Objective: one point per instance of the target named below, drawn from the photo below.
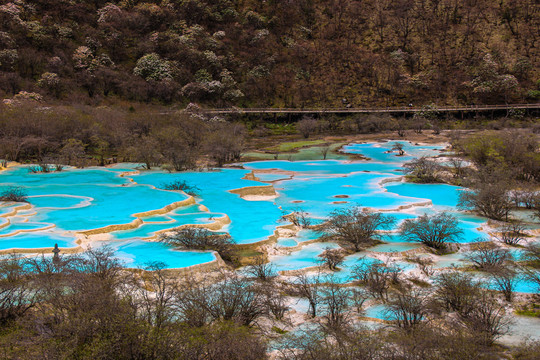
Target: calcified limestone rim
(287, 175)
(271, 240)
(404, 253)
(5, 224)
(215, 264)
(9, 164)
(16, 209)
(301, 271)
(19, 231)
(367, 318)
(379, 142)
(261, 190)
(289, 249)
(245, 193)
(217, 224)
(209, 266)
(129, 173)
(43, 250)
(86, 201)
(138, 222)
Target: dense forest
(271, 53)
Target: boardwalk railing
(368, 110)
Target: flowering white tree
(152, 67)
(489, 81)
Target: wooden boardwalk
(405, 109)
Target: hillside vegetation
(271, 53)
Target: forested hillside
(271, 53)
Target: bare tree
(144, 150)
(353, 342)
(425, 264)
(376, 277)
(180, 146)
(17, 294)
(356, 227)
(511, 233)
(400, 129)
(458, 166)
(157, 292)
(489, 200)
(324, 149)
(487, 256)
(398, 147)
(73, 152)
(262, 269)
(504, 278)
(299, 217)
(226, 142)
(309, 289)
(408, 307)
(487, 318)
(359, 297)
(423, 170)
(336, 301)
(432, 230)
(419, 124)
(525, 197)
(235, 298)
(181, 185)
(201, 239)
(190, 302)
(532, 259)
(457, 291)
(275, 298)
(332, 258)
(306, 126)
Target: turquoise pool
(77, 200)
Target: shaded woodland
(271, 53)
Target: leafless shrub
(432, 230)
(261, 269)
(408, 307)
(423, 170)
(457, 291)
(201, 239)
(332, 258)
(356, 226)
(14, 193)
(487, 318)
(377, 277)
(511, 233)
(488, 199)
(425, 264)
(486, 255)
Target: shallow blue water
(379, 311)
(251, 221)
(286, 242)
(393, 247)
(150, 228)
(318, 167)
(522, 284)
(306, 257)
(141, 253)
(382, 152)
(34, 240)
(439, 194)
